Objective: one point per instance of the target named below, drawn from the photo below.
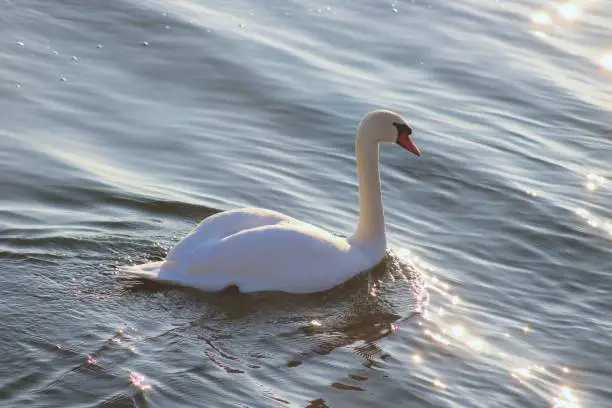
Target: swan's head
(389, 127)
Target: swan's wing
(224, 224)
(286, 257)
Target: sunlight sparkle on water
(439, 384)
(438, 338)
(539, 368)
(570, 11)
(594, 181)
(540, 17)
(452, 331)
(476, 344)
(582, 212)
(314, 323)
(539, 34)
(139, 381)
(606, 62)
(566, 399)
(457, 331)
(521, 374)
(596, 177)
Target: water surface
(126, 123)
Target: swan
(257, 249)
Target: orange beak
(405, 141)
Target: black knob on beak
(402, 128)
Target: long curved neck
(371, 227)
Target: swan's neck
(371, 227)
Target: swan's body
(233, 248)
(259, 250)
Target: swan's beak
(405, 141)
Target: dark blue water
(124, 123)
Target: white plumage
(262, 250)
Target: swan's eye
(402, 129)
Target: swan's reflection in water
(245, 332)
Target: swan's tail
(169, 273)
(149, 270)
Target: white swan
(263, 250)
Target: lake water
(125, 123)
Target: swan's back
(224, 224)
